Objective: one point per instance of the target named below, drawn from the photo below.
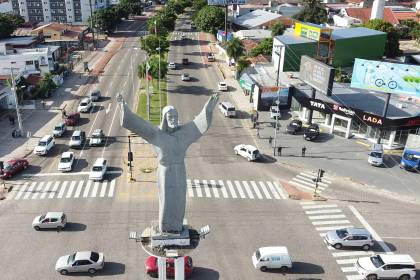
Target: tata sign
(317, 74)
(386, 77)
(225, 2)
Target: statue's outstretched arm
(136, 124)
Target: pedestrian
(270, 140)
(12, 120)
(303, 151)
(43, 103)
(279, 151)
(64, 113)
(258, 132)
(256, 115)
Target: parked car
(77, 139)
(275, 112)
(66, 162)
(13, 167)
(183, 37)
(59, 129)
(222, 86)
(376, 155)
(95, 95)
(185, 61)
(72, 119)
(311, 132)
(57, 220)
(272, 257)
(98, 170)
(227, 109)
(172, 65)
(185, 77)
(85, 105)
(85, 261)
(44, 145)
(294, 127)
(97, 138)
(152, 267)
(247, 151)
(210, 57)
(349, 237)
(384, 266)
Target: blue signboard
(225, 2)
(386, 77)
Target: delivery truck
(410, 159)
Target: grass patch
(155, 109)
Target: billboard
(270, 95)
(311, 31)
(386, 77)
(225, 2)
(317, 74)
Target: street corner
(295, 193)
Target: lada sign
(372, 119)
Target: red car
(152, 266)
(72, 119)
(12, 167)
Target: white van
(272, 257)
(44, 145)
(227, 109)
(376, 155)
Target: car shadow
(79, 165)
(323, 137)
(75, 227)
(243, 115)
(391, 160)
(57, 150)
(202, 273)
(96, 109)
(266, 159)
(379, 249)
(82, 121)
(103, 99)
(110, 268)
(301, 268)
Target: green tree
(151, 43)
(210, 19)
(154, 67)
(131, 7)
(105, 19)
(392, 45)
(242, 64)
(45, 86)
(165, 22)
(234, 48)
(141, 70)
(264, 48)
(313, 11)
(278, 29)
(8, 24)
(199, 4)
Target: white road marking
(309, 180)
(280, 190)
(307, 203)
(46, 189)
(79, 189)
(198, 188)
(309, 184)
(239, 188)
(406, 238)
(214, 187)
(355, 277)
(264, 189)
(314, 176)
(29, 191)
(103, 189)
(329, 228)
(319, 206)
(346, 261)
(231, 189)
(95, 189)
(71, 188)
(375, 236)
(273, 190)
(62, 189)
(38, 190)
(324, 217)
(331, 222)
(348, 269)
(323, 211)
(111, 189)
(87, 188)
(54, 190)
(206, 188)
(189, 188)
(301, 186)
(68, 174)
(351, 254)
(256, 190)
(248, 190)
(108, 108)
(223, 189)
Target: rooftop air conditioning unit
(401, 105)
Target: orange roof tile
(363, 14)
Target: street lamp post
(16, 99)
(160, 98)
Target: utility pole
(160, 98)
(91, 23)
(276, 118)
(16, 99)
(130, 159)
(226, 19)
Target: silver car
(349, 237)
(85, 261)
(56, 220)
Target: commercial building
(260, 19)
(68, 11)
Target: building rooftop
(368, 101)
(256, 34)
(363, 14)
(346, 33)
(293, 39)
(19, 41)
(255, 18)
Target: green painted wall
(294, 52)
(369, 47)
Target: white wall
(46, 10)
(45, 66)
(6, 7)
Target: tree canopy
(210, 19)
(234, 48)
(154, 68)
(8, 24)
(264, 48)
(151, 43)
(198, 4)
(278, 29)
(313, 12)
(392, 45)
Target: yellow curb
(363, 143)
(393, 152)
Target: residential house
(63, 35)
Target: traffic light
(321, 173)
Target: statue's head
(169, 119)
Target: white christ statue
(171, 141)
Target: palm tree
(234, 48)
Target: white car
(85, 105)
(66, 162)
(85, 261)
(59, 129)
(185, 77)
(172, 65)
(222, 86)
(56, 220)
(275, 112)
(247, 151)
(98, 170)
(44, 145)
(97, 138)
(383, 266)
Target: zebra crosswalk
(62, 190)
(235, 189)
(305, 181)
(327, 217)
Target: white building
(5, 7)
(7, 99)
(254, 34)
(65, 11)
